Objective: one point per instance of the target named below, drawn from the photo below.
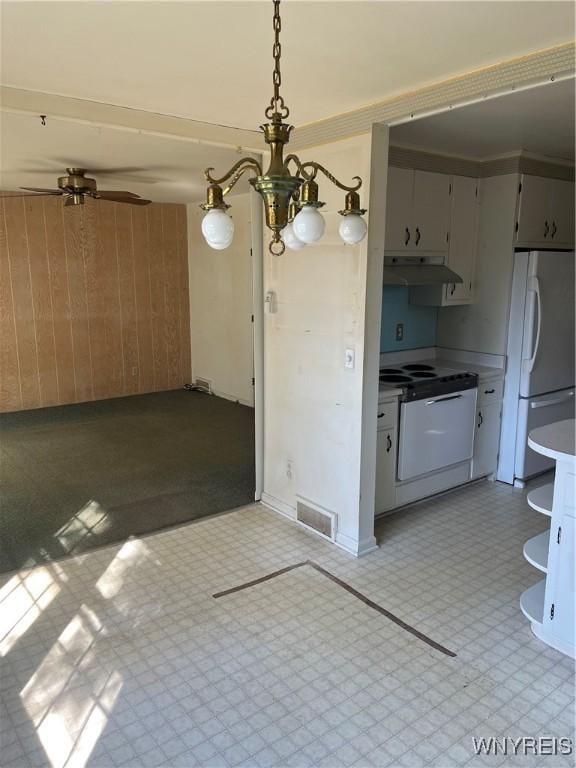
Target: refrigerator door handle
(535, 289)
(554, 401)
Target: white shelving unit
(532, 602)
(536, 551)
(549, 604)
(541, 499)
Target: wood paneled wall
(94, 301)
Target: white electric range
(437, 416)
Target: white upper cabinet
(399, 200)
(545, 212)
(562, 212)
(431, 211)
(417, 211)
(463, 228)
(463, 239)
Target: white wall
(313, 404)
(221, 305)
(483, 326)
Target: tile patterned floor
(122, 657)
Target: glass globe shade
(309, 225)
(290, 239)
(352, 229)
(218, 229)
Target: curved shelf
(536, 551)
(532, 602)
(540, 499)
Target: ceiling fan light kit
(290, 197)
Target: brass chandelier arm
(245, 164)
(317, 167)
(238, 175)
(299, 166)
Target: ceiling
(211, 61)
(159, 168)
(538, 121)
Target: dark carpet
(76, 477)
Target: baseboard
(355, 547)
(347, 543)
(276, 505)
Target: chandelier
(288, 189)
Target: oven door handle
(443, 399)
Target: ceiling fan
(76, 186)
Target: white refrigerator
(539, 383)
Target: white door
(431, 212)
(548, 341)
(486, 440)
(385, 470)
(463, 231)
(534, 210)
(399, 198)
(562, 213)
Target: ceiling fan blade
(132, 200)
(109, 194)
(43, 191)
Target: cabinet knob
(546, 229)
(407, 238)
(388, 443)
(418, 236)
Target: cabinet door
(399, 236)
(562, 213)
(463, 238)
(385, 470)
(486, 440)
(431, 211)
(533, 223)
(561, 561)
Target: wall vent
(204, 384)
(316, 518)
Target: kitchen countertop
(484, 371)
(555, 440)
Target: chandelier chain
(277, 108)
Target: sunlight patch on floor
(133, 552)
(69, 714)
(82, 525)
(22, 601)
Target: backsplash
(419, 322)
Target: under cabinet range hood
(418, 270)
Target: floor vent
(320, 520)
(204, 384)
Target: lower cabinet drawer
(387, 414)
(490, 391)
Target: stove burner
(423, 375)
(395, 379)
(390, 370)
(418, 367)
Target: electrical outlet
(289, 469)
(399, 331)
